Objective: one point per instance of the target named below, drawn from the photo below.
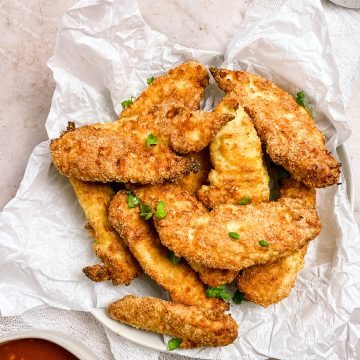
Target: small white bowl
(75, 347)
(351, 4)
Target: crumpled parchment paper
(104, 54)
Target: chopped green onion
(151, 140)
(234, 235)
(238, 297)
(174, 259)
(160, 212)
(132, 200)
(173, 344)
(263, 243)
(300, 99)
(245, 200)
(128, 102)
(145, 211)
(150, 80)
(218, 292)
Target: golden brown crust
(179, 280)
(196, 327)
(213, 277)
(119, 263)
(118, 152)
(96, 272)
(269, 283)
(287, 129)
(239, 170)
(192, 232)
(186, 83)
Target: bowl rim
(72, 345)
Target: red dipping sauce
(33, 349)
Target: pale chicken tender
(239, 170)
(119, 264)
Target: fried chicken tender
(239, 169)
(119, 264)
(119, 151)
(287, 129)
(179, 280)
(196, 327)
(190, 231)
(186, 83)
(270, 283)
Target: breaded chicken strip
(179, 280)
(269, 283)
(135, 150)
(186, 83)
(119, 264)
(190, 231)
(287, 129)
(239, 169)
(196, 327)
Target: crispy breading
(269, 283)
(119, 151)
(287, 129)
(96, 272)
(179, 280)
(213, 277)
(190, 231)
(239, 169)
(196, 327)
(119, 263)
(185, 83)
(193, 182)
(272, 282)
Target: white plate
(156, 341)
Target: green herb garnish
(245, 200)
(150, 80)
(132, 200)
(173, 344)
(160, 212)
(174, 259)
(300, 99)
(238, 297)
(234, 235)
(145, 211)
(218, 292)
(151, 140)
(128, 102)
(263, 243)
